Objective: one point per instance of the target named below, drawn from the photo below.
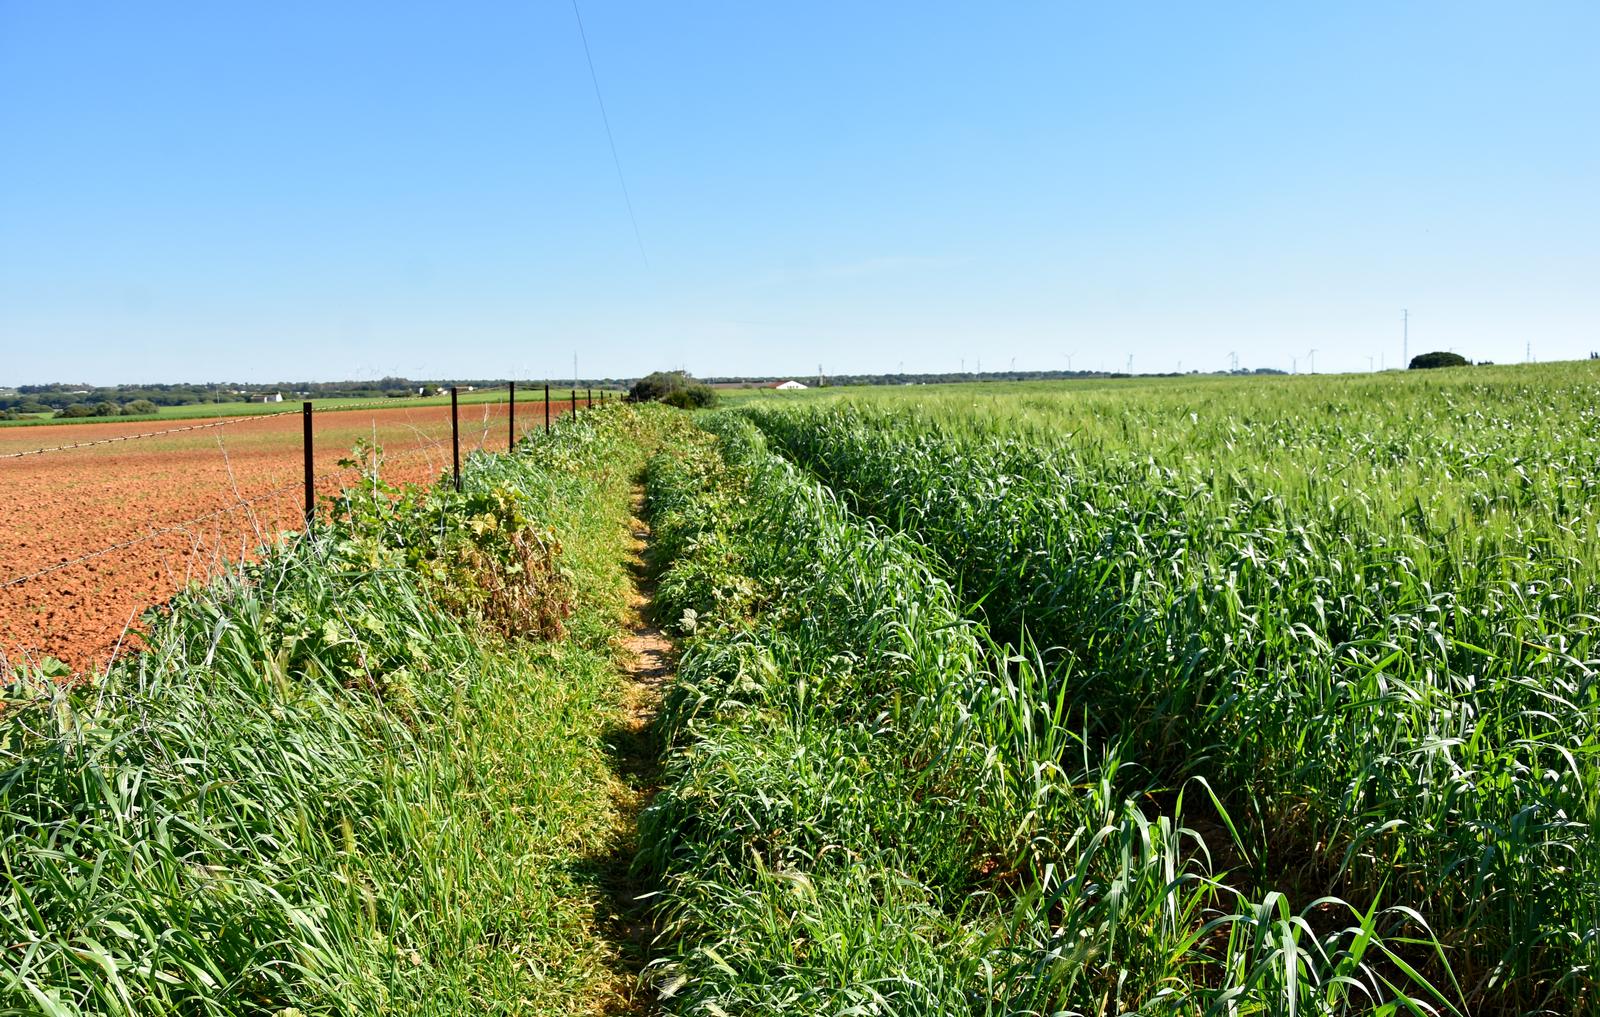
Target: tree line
(82, 400)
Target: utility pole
(574, 379)
(1405, 338)
(1528, 354)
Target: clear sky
(265, 191)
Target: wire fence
(133, 437)
(95, 531)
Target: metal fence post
(305, 445)
(591, 399)
(547, 407)
(511, 421)
(455, 436)
(574, 400)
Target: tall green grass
(871, 808)
(1364, 614)
(318, 791)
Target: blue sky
(266, 191)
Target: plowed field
(91, 537)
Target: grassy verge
(870, 808)
(352, 778)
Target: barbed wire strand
(232, 506)
(147, 434)
(429, 446)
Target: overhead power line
(610, 138)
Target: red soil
(185, 504)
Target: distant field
(240, 409)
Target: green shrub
(479, 550)
(139, 408)
(1425, 361)
(675, 388)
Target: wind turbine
(1069, 361)
(1312, 358)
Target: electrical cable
(611, 139)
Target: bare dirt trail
(648, 665)
(650, 651)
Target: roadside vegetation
(366, 774)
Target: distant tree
(675, 388)
(10, 415)
(106, 409)
(139, 407)
(76, 410)
(1424, 361)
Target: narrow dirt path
(647, 667)
(651, 663)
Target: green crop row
(871, 808)
(328, 786)
(1384, 662)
